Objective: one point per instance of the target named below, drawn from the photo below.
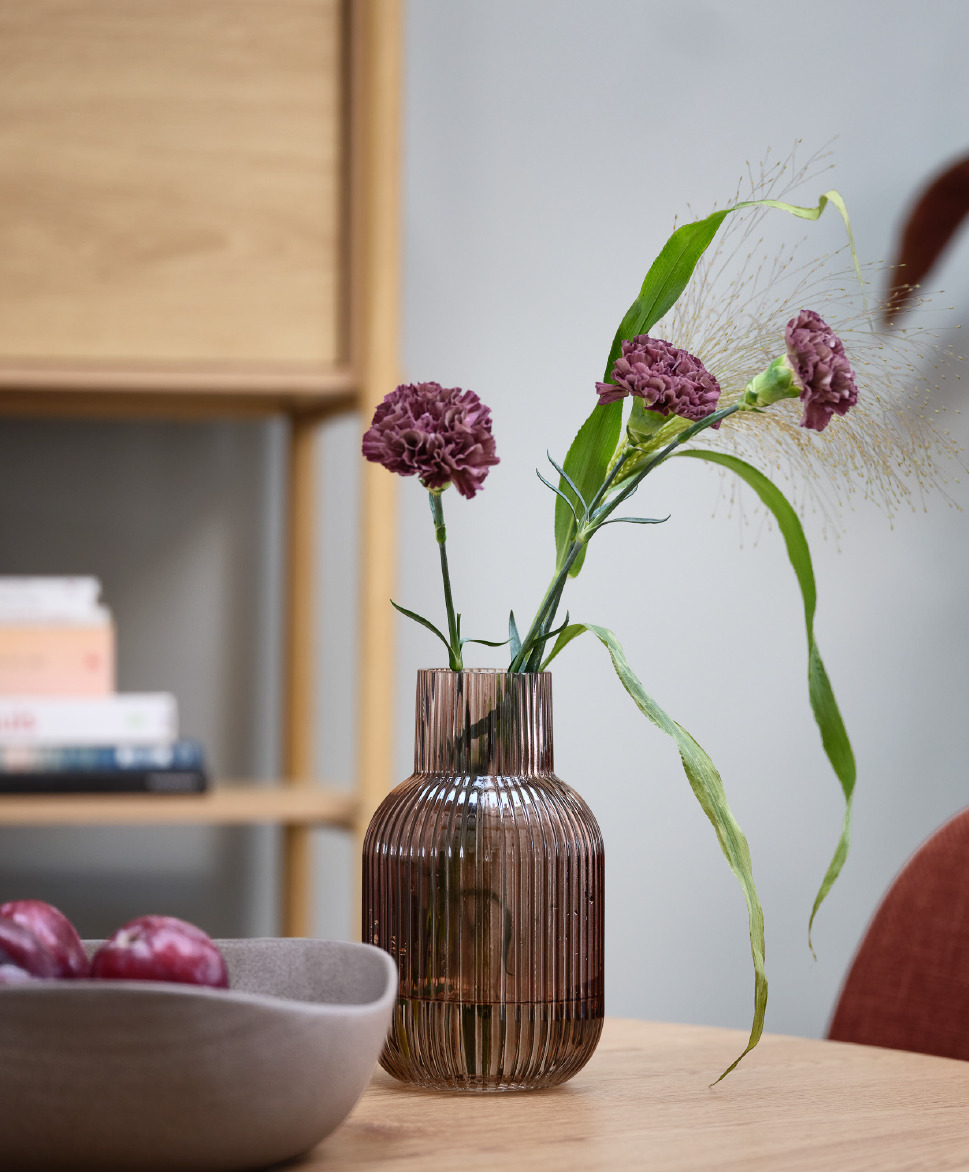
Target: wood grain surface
(644, 1101)
(199, 218)
(170, 180)
(377, 40)
(224, 805)
(110, 390)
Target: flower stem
(530, 655)
(441, 535)
(630, 487)
(534, 641)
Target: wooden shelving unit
(230, 171)
(229, 804)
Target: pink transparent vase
(483, 877)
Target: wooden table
(643, 1101)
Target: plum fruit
(55, 930)
(160, 948)
(24, 949)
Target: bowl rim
(80, 987)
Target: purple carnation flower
(822, 371)
(668, 380)
(441, 435)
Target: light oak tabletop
(644, 1101)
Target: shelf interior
(227, 803)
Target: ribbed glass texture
(483, 876)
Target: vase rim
(488, 671)
(483, 721)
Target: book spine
(123, 719)
(57, 659)
(40, 599)
(121, 781)
(99, 758)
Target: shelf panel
(172, 180)
(227, 804)
(39, 389)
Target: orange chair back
(907, 987)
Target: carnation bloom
(822, 371)
(894, 447)
(668, 380)
(441, 435)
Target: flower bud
(643, 425)
(777, 382)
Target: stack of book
(63, 728)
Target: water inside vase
(490, 1047)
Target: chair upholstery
(907, 986)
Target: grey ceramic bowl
(128, 1076)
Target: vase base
(455, 1046)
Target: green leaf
(830, 197)
(562, 496)
(635, 521)
(424, 623)
(665, 280)
(515, 643)
(673, 268)
(535, 661)
(566, 636)
(708, 788)
(835, 739)
(595, 444)
(578, 494)
(586, 463)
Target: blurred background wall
(548, 147)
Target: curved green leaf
(708, 788)
(430, 626)
(666, 279)
(589, 457)
(830, 197)
(634, 521)
(566, 636)
(586, 462)
(835, 739)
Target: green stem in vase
(534, 641)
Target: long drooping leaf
(566, 636)
(706, 783)
(589, 456)
(835, 740)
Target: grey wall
(548, 148)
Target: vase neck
(483, 723)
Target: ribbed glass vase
(483, 877)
